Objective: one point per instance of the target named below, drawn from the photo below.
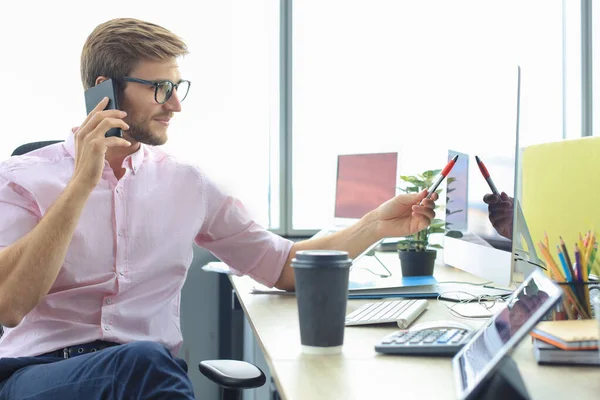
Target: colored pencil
(567, 257)
(593, 258)
(555, 272)
(578, 263)
(563, 262)
(553, 268)
(588, 253)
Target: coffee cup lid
(320, 257)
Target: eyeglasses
(164, 89)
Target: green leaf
(433, 230)
(412, 179)
(436, 246)
(431, 173)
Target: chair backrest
(27, 147)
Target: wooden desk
(361, 373)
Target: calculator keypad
(443, 341)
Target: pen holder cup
(578, 301)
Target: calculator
(435, 341)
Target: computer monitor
(364, 181)
(472, 242)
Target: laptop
(363, 182)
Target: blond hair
(115, 47)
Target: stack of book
(567, 342)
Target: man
(96, 236)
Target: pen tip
(455, 157)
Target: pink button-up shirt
(129, 256)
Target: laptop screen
(364, 181)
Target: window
(230, 121)
(367, 76)
(384, 75)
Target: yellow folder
(561, 190)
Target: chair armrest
(233, 374)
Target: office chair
(232, 376)
(27, 147)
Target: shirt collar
(132, 161)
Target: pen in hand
(487, 177)
(441, 177)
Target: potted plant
(417, 255)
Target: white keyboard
(403, 312)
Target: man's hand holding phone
(91, 144)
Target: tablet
(475, 364)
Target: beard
(140, 130)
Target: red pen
(443, 174)
(487, 177)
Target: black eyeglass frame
(156, 85)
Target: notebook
(545, 353)
(364, 287)
(581, 334)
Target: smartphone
(93, 96)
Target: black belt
(79, 349)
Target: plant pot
(417, 263)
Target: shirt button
(118, 190)
(120, 233)
(106, 328)
(109, 301)
(122, 273)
